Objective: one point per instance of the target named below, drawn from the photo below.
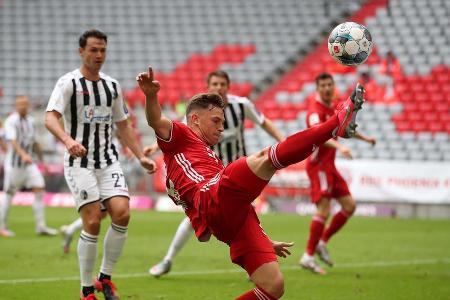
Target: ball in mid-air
(350, 44)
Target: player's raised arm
(155, 119)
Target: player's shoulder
(108, 78)
(180, 125)
(234, 99)
(68, 78)
(316, 107)
(74, 74)
(11, 118)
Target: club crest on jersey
(83, 195)
(96, 114)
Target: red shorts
(327, 183)
(232, 219)
(251, 247)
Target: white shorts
(25, 177)
(90, 185)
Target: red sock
(256, 294)
(315, 233)
(300, 145)
(339, 219)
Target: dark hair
(204, 101)
(218, 73)
(323, 76)
(91, 33)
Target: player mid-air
(217, 199)
(21, 170)
(326, 182)
(230, 147)
(90, 103)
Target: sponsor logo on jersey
(97, 114)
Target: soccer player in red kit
(326, 182)
(218, 199)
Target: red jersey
(319, 112)
(190, 165)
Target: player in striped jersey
(20, 168)
(3, 146)
(230, 148)
(90, 103)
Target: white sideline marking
(377, 264)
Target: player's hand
(75, 149)
(148, 164)
(281, 248)
(27, 159)
(150, 150)
(346, 152)
(147, 83)
(371, 140)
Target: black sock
(104, 276)
(87, 290)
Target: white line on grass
(376, 264)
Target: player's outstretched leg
(299, 146)
(67, 232)
(184, 232)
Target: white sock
(4, 210)
(38, 209)
(112, 247)
(74, 226)
(182, 235)
(87, 253)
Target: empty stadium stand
(408, 109)
(258, 42)
(39, 38)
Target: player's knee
(260, 157)
(275, 287)
(261, 165)
(121, 217)
(350, 208)
(92, 224)
(323, 208)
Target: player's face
(218, 85)
(94, 54)
(325, 88)
(210, 124)
(22, 106)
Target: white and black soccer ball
(350, 44)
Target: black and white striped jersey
(232, 143)
(2, 132)
(89, 109)
(23, 132)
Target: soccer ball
(350, 44)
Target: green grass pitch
(375, 259)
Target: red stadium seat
(403, 126)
